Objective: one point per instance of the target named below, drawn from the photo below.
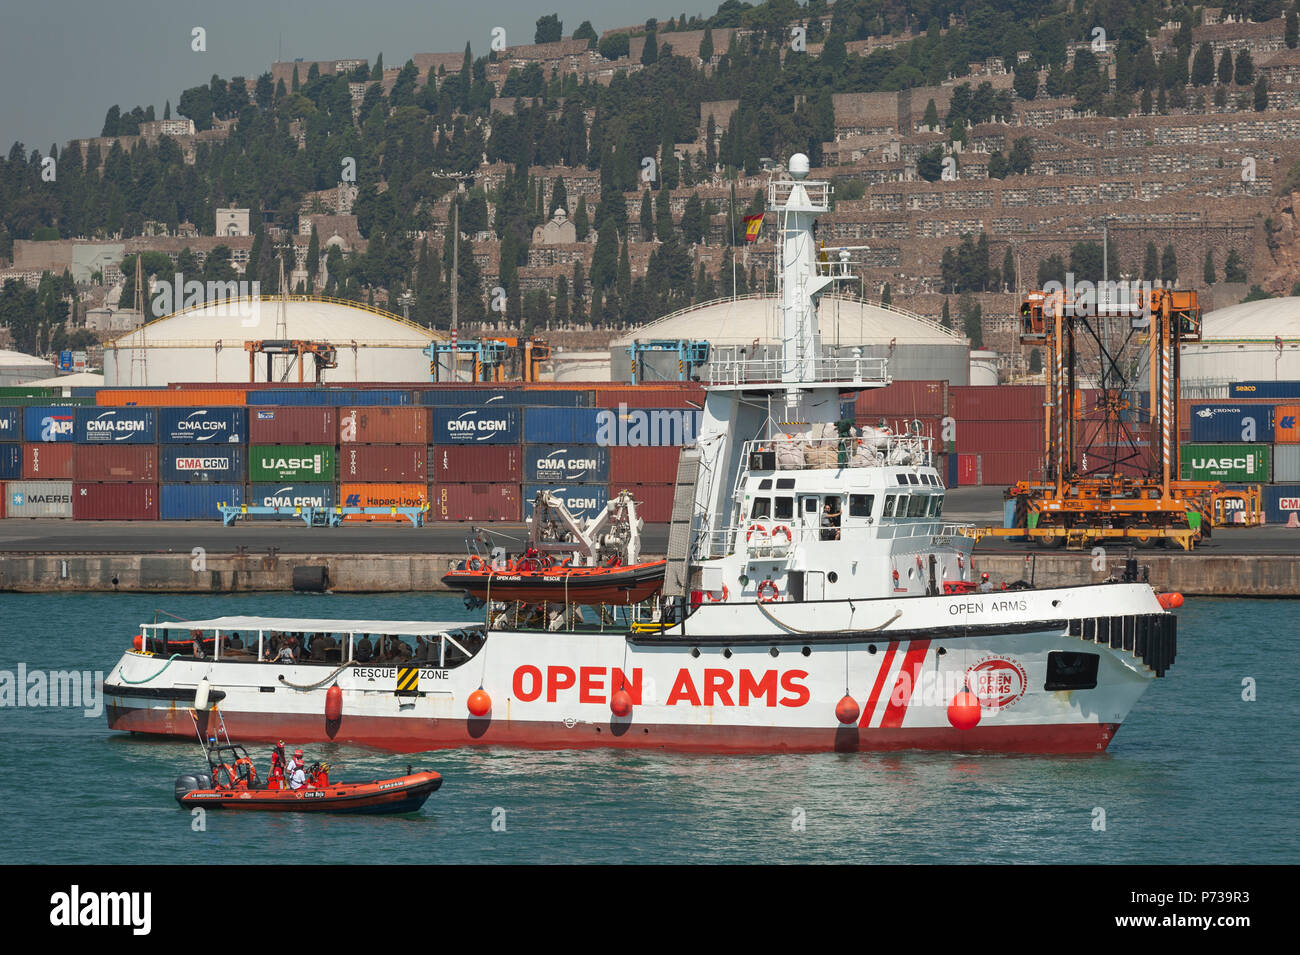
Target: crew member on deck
(296, 775)
(986, 586)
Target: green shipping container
(291, 462)
(1231, 463)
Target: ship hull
(731, 682)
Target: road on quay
(977, 505)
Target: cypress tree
(647, 218)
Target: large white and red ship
(814, 598)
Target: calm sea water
(1196, 774)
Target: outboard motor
(188, 782)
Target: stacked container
(383, 458)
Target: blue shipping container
(951, 480)
(561, 425)
(196, 502)
(475, 426)
(1264, 389)
(50, 424)
(647, 427)
(291, 495)
(517, 398)
(11, 462)
(300, 397)
(1282, 504)
(575, 463)
(583, 501)
(201, 464)
(1232, 424)
(11, 424)
(202, 425)
(117, 426)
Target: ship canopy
(312, 625)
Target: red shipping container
(651, 465)
(917, 398)
(475, 502)
(996, 402)
(52, 461)
(1007, 467)
(383, 463)
(976, 436)
(654, 502)
(292, 425)
(687, 396)
(390, 424)
(117, 462)
(454, 464)
(382, 495)
(968, 470)
(115, 502)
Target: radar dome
(799, 166)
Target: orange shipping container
(169, 397)
(390, 424)
(382, 495)
(1286, 424)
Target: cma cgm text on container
(202, 425)
(117, 426)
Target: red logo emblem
(997, 681)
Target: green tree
(647, 217)
(1233, 268)
(586, 32)
(931, 118)
(549, 29)
(604, 259)
(1244, 73)
(650, 51)
(1203, 65)
(581, 224)
(313, 259)
(929, 165)
(706, 45)
(1025, 83)
(972, 324)
(886, 296)
(1225, 66)
(614, 47)
(1260, 99)
(1208, 274)
(1151, 264)
(945, 317)
(1169, 266)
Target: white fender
(201, 695)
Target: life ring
(756, 528)
(474, 563)
(708, 595)
(767, 591)
(783, 529)
(249, 778)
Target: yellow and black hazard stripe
(408, 681)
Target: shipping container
(968, 470)
(383, 425)
(1231, 423)
(643, 465)
(463, 425)
(50, 462)
(117, 462)
(691, 396)
(475, 502)
(582, 501)
(383, 463)
(641, 427)
(208, 396)
(50, 423)
(1282, 505)
(903, 398)
(291, 495)
(1000, 402)
(1286, 464)
(292, 426)
(1007, 467)
(201, 464)
(572, 463)
(11, 462)
(208, 425)
(38, 499)
(117, 426)
(382, 495)
(329, 397)
(48, 402)
(562, 425)
(1263, 389)
(462, 464)
(311, 463)
(654, 502)
(1286, 424)
(11, 424)
(196, 502)
(114, 502)
(2, 500)
(441, 397)
(976, 436)
(1238, 463)
(951, 473)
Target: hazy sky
(63, 63)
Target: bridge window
(765, 484)
(784, 484)
(936, 505)
(784, 509)
(918, 505)
(889, 505)
(860, 504)
(762, 508)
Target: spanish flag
(753, 224)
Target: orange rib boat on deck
(531, 581)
